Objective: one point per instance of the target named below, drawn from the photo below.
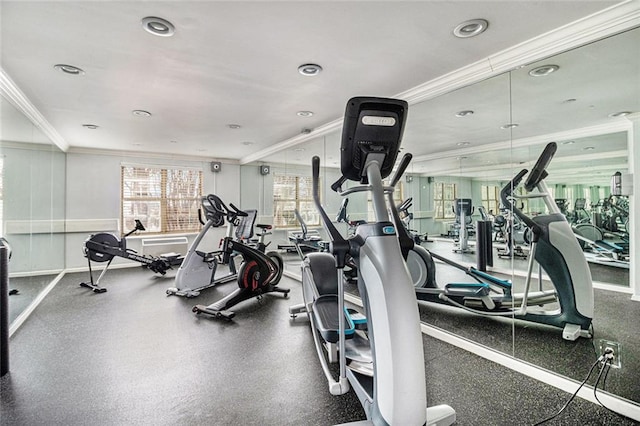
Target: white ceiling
(235, 62)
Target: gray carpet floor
(134, 356)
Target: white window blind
(292, 193)
(444, 196)
(165, 200)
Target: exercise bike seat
(325, 312)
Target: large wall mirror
(32, 196)
(468, 144)
(577, 99)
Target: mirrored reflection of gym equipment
(303, 241)
(406, 216)
(598, 233)
(515, 234)
(463, 226)
(554, 249)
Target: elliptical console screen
(371, 125)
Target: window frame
(439, 188)
(163, 192)
(303, 185)
(491, 198)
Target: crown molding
(12, 93)
(149, 155)
(605, 23)
(620, 125)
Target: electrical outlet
(616, 362)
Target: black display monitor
(371, 125)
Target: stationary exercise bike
(553, 247)
(199, 269)
(104, 247)
(380, 354)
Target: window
(491, 198)
(445, 194)
(164, 200)
(292, 193)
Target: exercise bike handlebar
(236, 211)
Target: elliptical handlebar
(539, 171)
(402, 167)
(405, 205)
(507, 192)
(337, 185)
(339, 245)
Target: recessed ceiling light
(299, 150)
(158, 26)
(568, 142)
(141, 113)
(588, 148)
(90, 126)
(509, 126)
(309, 69)
(463, 143)
(568, 101)
(620, 114)
(461, 158)
(234, 126)
(247, 143)
(173, 141)
(471, 28)
(69, 69)
(543, 70)
(464, 113)
(306, 131)
(136, 144)
(305, 113)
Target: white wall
(93, 192)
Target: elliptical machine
(463, 209)
(384, 348)
(553, 247)
(103, 247)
